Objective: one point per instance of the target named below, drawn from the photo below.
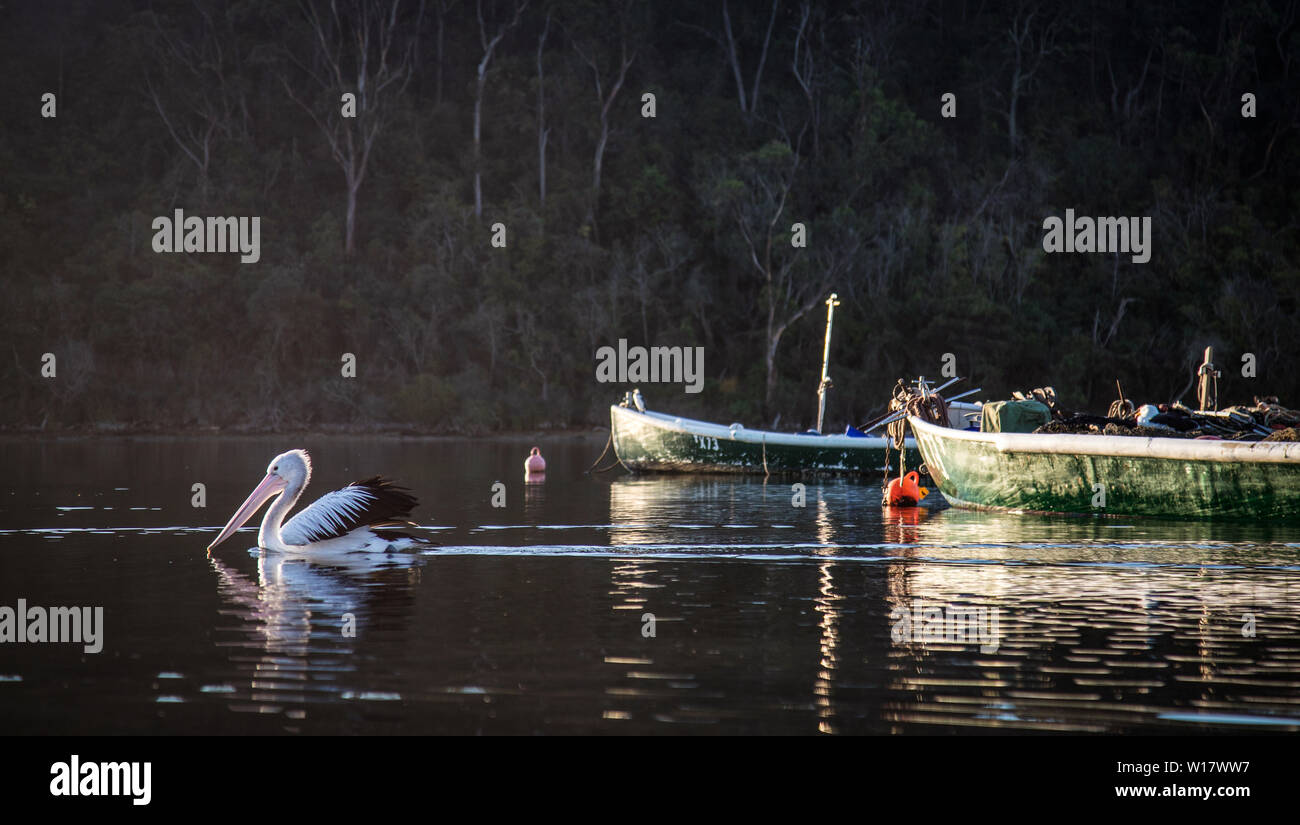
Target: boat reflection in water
(644, 511)
(929, 619)
(827, 608)
(1084, 636)
(653, 509)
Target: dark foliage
(930, 229)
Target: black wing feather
(371, 502)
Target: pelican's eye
(275, 469)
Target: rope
(608, 442)
(884, 479)
(1123, 408)
(616, 462)
(929, 407)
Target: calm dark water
(768, 618)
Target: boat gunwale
(1123, 446)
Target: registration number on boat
(706, 442)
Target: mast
(1207, 396)
(825, 384)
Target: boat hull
(649, 441)
(1113, 475)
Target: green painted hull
(649, 441)
(1139, 476)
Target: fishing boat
(1111, 474)
(653, 441)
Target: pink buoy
(535, 465)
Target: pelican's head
(287, 471)
(293, 467)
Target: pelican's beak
(270, 486)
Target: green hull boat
(1112, 475)
(658, 442)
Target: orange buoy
(906, 491)
(535, 465)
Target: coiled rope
(925, 405)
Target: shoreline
(79, 434)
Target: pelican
(345, 520)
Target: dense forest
(675, 229)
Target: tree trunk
(437, 94)
(489, 48)
(769, 396)
(773, 339)
(542, 131)
(478, 142)
(351, 222)
(368, 44)
(733, 57)
(606, 103)
(598, 163)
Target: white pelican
(345, 520)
